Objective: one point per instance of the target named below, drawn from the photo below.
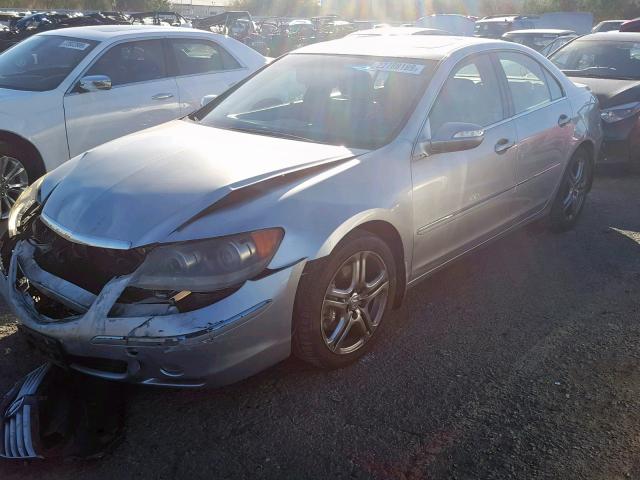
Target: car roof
(428, 47)
(106, 32)
(540, 31)
(617, 36)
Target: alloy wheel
(354, 303)
(13, 181)
(576, 186)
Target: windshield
(358, 102)
(537, 42)
(41, 62)
(597, 58)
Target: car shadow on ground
(410, 405)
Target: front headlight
(24, 204)
(208, 265)
(620, 112)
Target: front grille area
(87, 267)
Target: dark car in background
(496, 26)
(631, 25)
(538, 39)
(609, 64)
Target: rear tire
(343, 300)
(572, 194)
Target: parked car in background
(456, 24)
(165, 19)
(557, 43)
(495, 26)
(293, 212)
(66, 91)
(609, 64)
(392, 31)
(535, 38)
(608, 26)
(25, 26)
(631, 26)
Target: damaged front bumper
(227, 341)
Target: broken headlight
(208, 265)
(24, 205)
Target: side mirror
(454, 137)
(93, 83)
(206, 99)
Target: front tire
(342, 301)
(572, 194)
(17, 172)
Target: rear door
(202, 67)
(142, 95)
(543, 120)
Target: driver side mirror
(453, 137)
(94, 83)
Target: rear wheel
(341, 302)
(572, 194)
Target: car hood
(140, 188)
(611, 92)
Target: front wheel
(342, 301)
(572, 194)
(14, 177)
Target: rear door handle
(564, 120)
(503, 145)
(162, 96)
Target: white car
(66, 91)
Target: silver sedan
(293, 212)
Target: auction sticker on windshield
(74, 45)
(394, 67)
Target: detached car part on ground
(54, 413)
(292, 213)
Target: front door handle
(162, 96)
(503, 145)
(564, 120)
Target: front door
(142, 95)
(462, 198)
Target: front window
(598, 58)
(42, 62)
(358, 102)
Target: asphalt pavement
(520, 361)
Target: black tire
(561, 217)
(308, 340)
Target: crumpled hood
(139, 188)
(611, 92)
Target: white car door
(202, 67)
(141, 95)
